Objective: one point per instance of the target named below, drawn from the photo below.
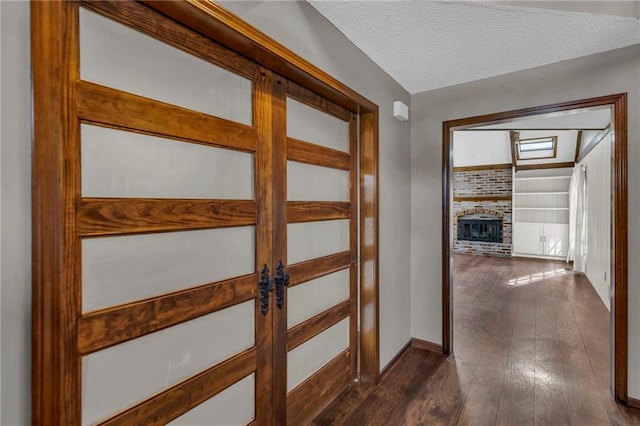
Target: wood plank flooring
(531, 348)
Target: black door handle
(266, 286)
(282, 281)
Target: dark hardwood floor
(531, 347)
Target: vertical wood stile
(369, 266)
(56, 248)
(620, 317)
(447, 260)
(263, 122)
(279, 182)
(353, 244)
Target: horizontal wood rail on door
(306, 152)
(311, 269)
(619, 313)
(106, 327)
(314, 325)
(120, 216)
(309, 211)
(114, 108)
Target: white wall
(598, 209)
(596, 75)
(310, 35)
(474, 148)
(305, 31)
(15, 290)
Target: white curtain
(577, 218)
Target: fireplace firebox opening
(485, 230)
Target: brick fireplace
(482, 198)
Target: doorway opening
(619, 228)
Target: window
(533, 149)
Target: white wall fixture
(400, 111)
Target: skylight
(536, 145)
(537, 148)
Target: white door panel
(118, 376)
(311, 125)
(233, 406)
(114, 55)
(313, 354)
(116, 163)
(127, 268)
(310, 240)
(313, 297)
(314, 183)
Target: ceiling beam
(546, 166)
(593, 142)
(514, 136)
(578, 143)
(483, 167)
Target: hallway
(531, 347)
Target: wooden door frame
(619, 227)
(54, 115)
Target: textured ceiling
(426, 45)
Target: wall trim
(482, 167)
(562, 259)
(415, 343)
(619, 230)
(395, 359)
(546, 166)
(484, 198)
(426, 345)
(632, 402)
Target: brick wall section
(483, 183)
